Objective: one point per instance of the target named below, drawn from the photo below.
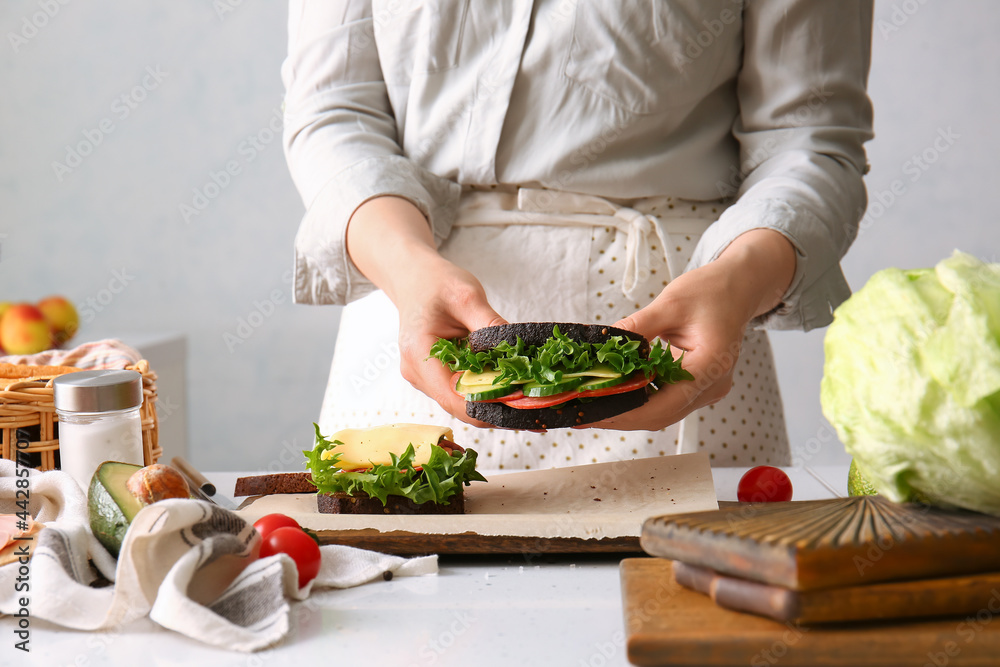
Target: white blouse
(762, 101)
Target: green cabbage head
(912, 383)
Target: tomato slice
(531, 403)
(512, 396)
(450, 447)
(523, 402)
(637, 382)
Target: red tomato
(299, 546)
(521, 402)
(764, 484)
(268, 523)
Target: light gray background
(254, 390)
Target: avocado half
(110, 504)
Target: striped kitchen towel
(189, 565)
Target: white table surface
(477, 611)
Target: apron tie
(536, 206)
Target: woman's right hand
(448, 302)
(391, 243)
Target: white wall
(119, 209)
(935, 74)
(251, 406)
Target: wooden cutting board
(947, 596)
(834, 543)
(599, 507)
(667, 624)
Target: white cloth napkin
(188, 564)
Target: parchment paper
(601, 500)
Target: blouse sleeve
(804, 117)
(340, 140)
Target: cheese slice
(367, 447)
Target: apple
(61, 316)
(4, 305)
(24, 330)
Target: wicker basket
(27, 412)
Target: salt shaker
(98, 420)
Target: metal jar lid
(97, 391)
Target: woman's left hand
(704, 314)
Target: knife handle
(192, 473)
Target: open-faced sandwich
(392, 469)
(542, 375)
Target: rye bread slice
(574, 413)
(362, 503)
(282, 482)
(536, 333)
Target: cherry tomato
(299, 546)
(764, 484)
(268, 523)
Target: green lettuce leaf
(547, 362)
(911, 382)
(441, 477)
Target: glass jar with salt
(98, 420)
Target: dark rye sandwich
(544, 375)
(391, 469)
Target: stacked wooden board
(825, 572)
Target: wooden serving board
(947, 596)
(667, 624)
(591, 508)
(834, 543)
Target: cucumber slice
(536, 390)
(602, 383)
(598, 371)
(483, 392)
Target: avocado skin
(110, 505)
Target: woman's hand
(704, 314)
(391, 243)
(448, 302)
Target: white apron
(544, 255)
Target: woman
(685, 169)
